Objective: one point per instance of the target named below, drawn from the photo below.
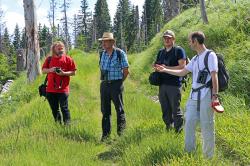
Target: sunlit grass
(29, 136)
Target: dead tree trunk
(21, 60)
(203, 12)
(33, 50)
(175, 5)
(171, 8)
(66, 25)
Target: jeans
(56, 99)
(112, 91)
(206, 118)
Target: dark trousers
(170, 98)
(112, 91)
(56, 99)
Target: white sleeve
(212, 62)
(189, 66)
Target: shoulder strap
(206, 60)
(100, 56)
(175, 51)
(46, 78)
(119, 54)
(160, 55)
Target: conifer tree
(64, 20)
(8, 49)
(23, 42)
(1, 28)
(84, 18)
(122, 23)
(6, 43)
(17, 38)
(152, 19)
(132, 37)
(51, 15)
(102, 17)
(82, 27)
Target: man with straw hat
(114, 70)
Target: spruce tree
(23, 42)
(17, 38)
(6, 43)
(66, 37)
(82, 27)
(51, 16)
(8, 49)
(102, 17)
(152, 19)
(84, 17)
(43, 37)
(122, 23)
(133, 36)
(1, 28)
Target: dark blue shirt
(170, 58)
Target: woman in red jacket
(59, 68)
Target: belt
(111, 81)
(199, 95)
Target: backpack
(43, 86)
(118, 52)
(223, 76)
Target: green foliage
(102, 17)
(81, 42)
(17, 38)
(45, 38)
(152, 18)
(122, 23)
(240, 79)
(28, 133)
(6, 70)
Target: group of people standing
(170, 62)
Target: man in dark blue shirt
(172, 57)
(114, 70)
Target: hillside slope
(28, 135)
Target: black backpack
(42, 87)
(223, 76)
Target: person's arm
(215, 85)
(71, 66)
(181, 65)
(178, 72)
(66, 73)
(125, 73)
(48, 70)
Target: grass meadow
(29, 136)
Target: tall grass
(29, 136)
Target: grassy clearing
(30, 137)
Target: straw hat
(107, 36)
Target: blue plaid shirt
(112, 65)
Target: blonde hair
(56, 43)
